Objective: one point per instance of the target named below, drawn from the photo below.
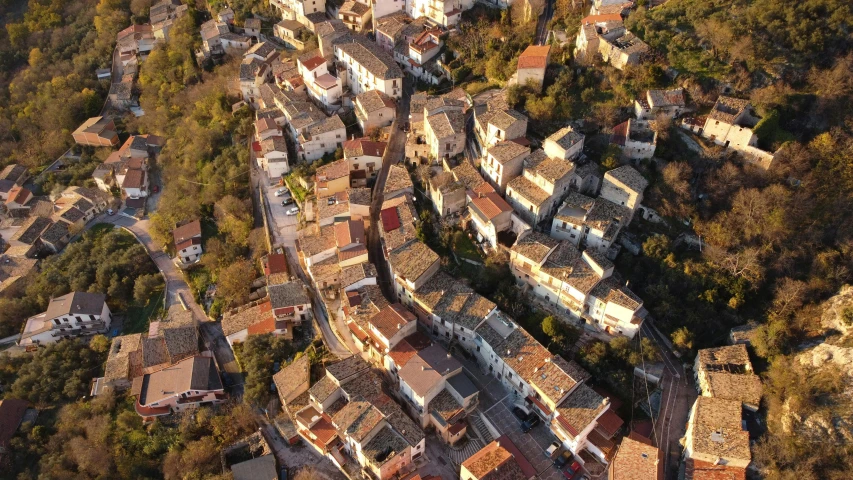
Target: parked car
(571, 470)
(563, 459)
(110, 211)
(292, 211)
(531, 422)
(155, 188)
(287, 201)
(331, 200)
(281, 191)
(552, 449)
(520, 413)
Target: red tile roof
(348, 232)
(402, 353)
(699, 470)
(276, 263)
(11, 414)
(620, 134)
(313, 63)
(366, 147)
(18, 195)
(390, 219)
(491, 204)
(186, 231)
(534, 56)
(610, 423)
(607, 17)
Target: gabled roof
(187, 231)
(293, 376)
(391, 319)
(195, 373)
(534, 246)
(364, 146)
(636, 461)
(534, 56)
(629, 177)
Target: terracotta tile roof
(490, 205)
(349, 232)
(364, 146)
(534, 56)
(699, 470)
(580, 408)
(430, 294)
(373, 100)
(316, 240)
(494, 462)
(187, 231)
(11, 415)
(371, 57)
(402, 352)
(636, 461)
(535, 246)
(732, 359)
(557, 376)
(717, 430)
(523, 354)
(610, 423)
(334, 170)
(391, 319)
(290, 378)
(427, 368)
(243, 318)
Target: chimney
(399, 326)
(448, 355)
(423, 368)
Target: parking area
(532, 444)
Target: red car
(155, 188)
(571, 470)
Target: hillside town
(422, 240)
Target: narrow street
(542, 23)
(395, 152)
(284, 228)
(678, 396)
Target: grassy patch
(296, 189)
(465, 248)
(101, 228)
(138, 316)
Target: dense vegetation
(204, 161)
(109, 262)
(257, 356)
(48, 58)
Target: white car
(281, 191)
(292, 211)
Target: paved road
(175, 287)
(678, 396)
(284, 228)
(542, 23)
(395, 152)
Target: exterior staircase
(482, 431)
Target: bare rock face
(832, 420)
(838, 312)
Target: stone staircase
(481, 429)
(472, 446)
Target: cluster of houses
(126, 169)
(32, 226)
(134, 43)
(220, 36)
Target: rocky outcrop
(838, 311)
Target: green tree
(144, 287)
(682, 339)
(235, 281)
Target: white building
(321, 138)
(565, 143)
(72, 315)
(730, 124)
(442, 12)
(368, 67)
(624, 186)
(536, 194)
(299, 10)
(272, 157)
(656, 102)
(188, 242)
(635, 138)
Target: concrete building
(72, 315)
(537, 193)
(660, 102)
(636, 139)
(503, 162)
(624, 186)
(532, 64)
(565, 143)
(96, 132)
(727, 373)
(374, 110)
(186, 385)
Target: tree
(61, 371)
(99, 344)
(234, 282)
(145, 286)
(611, 157)
(682, 339)
(234, 219)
